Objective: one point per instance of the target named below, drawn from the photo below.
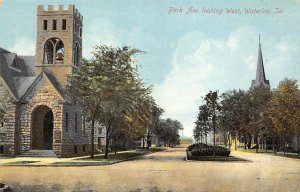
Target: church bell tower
(58, 41)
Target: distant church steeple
(260, 81)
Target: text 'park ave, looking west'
(221, 11)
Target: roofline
(7, 87)
(42, 74)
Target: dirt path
(163, 171)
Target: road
(163, 171)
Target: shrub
(196, 146)
(207, 150)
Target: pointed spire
(260, 80)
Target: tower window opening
(64, 24)
(80, 32)
(45, 24)
(54, 24)
(1, 149)
(54, 51)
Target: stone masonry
(38, 114)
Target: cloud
(201, 64)
(104, 31)
(101, 31)
(23, 46)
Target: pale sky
(187, 54)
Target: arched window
(54, 51)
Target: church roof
(18, 75)
(260, 80)
(50, 79)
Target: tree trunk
(214, 128)
(273, 145)
(116, 147)
(257, 144)
(225, 140)
(92, 137)
(298, 150)
(249, 142)
(107, 142)
(235, 143)
(143, 142)
(201, 137)
(229, 141)
(284, 143)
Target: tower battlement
(58, 10)
(59, 41)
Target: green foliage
(196, 146)
(283, 110)
(111, 92)
(169, 131)
(202, 149)
(202, 124)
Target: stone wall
(71, 38)
(8, 139)
(42, 94)
(76, 140)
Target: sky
(187, 54)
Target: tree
(170, 131)
(109, 89)
(284, 110)
(202, 124)
(234, 113)
(213, 105)
(154, 128)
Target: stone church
(37, 115)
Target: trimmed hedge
(201, 149)
(196, 146)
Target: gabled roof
(16, 72)
(51, 80)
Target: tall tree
(202, 123)
(284, 110)
(109, 89)
(213, 105)
(170, 131)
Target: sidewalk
(75, 161)
(271, 152)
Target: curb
(72, 164)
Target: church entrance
(42, 128)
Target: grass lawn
(115, 157)
(99, 159)
(20, 162)
(268, 152)
(216, 158)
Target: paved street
(163, 171)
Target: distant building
(260, 80)
(38, 115)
